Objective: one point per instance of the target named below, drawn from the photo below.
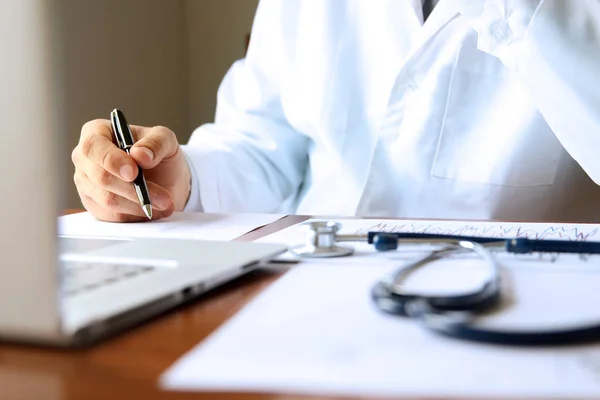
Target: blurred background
(160, 61)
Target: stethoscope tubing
(460, 324)
(455, 316)
(465, 331)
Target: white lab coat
(488, 110)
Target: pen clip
(122, 129)
(116, 129)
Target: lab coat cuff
(194, 202)
(501, 25)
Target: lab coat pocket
(492, 133)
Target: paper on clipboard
(315, 331)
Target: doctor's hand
(104, 173)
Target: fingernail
(148, 152)
(161, 201)
(127, 172)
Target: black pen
(125, 141)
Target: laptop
(62, 291)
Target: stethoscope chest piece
(321, 241)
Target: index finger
(97, 145)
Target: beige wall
(217, 32)
(160, 61)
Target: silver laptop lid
(30, 111)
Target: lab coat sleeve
(553, 47)
(250, 159)
(193, 203)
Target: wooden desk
(129, 365)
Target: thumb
(153, 146)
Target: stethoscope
(449, 315)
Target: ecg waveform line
(492, 231)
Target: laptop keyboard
(80, 277)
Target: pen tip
(147, 210)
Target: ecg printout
(295, 235)
(574, 232)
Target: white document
(316, 331)
(202, 226)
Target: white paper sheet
(315, 331)
(180, 225)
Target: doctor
(481, 109)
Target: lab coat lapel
(417, 7)
(442, 13)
